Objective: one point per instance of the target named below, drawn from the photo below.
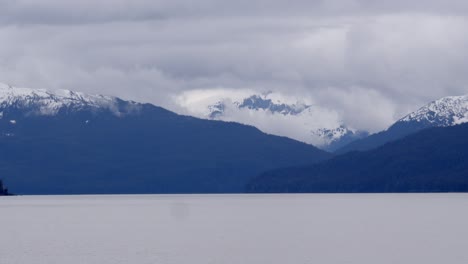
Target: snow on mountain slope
(445, 112)
(273, 113)
(448, 111)
(333, 134)
(257, 102)
(45, 102)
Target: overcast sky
(370, 60)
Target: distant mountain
(432, 160)
(257, 102)
(448, 111)
(339, 137)
(262, 108)
(64, 142)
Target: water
(240, 229)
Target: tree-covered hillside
(433, 160)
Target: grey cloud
(353, 56)
(57, 12)
(92, 11)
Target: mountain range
(425, 151)
(431, 160)
(445, 112)
(64, 142)
(317, 126)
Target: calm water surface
(237, 229)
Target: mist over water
(225, 229)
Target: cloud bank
(369, 61)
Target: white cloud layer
(300, 126)
(369, 61)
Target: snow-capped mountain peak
(333, 134)
(448, 111)
(274, 113)
(256, 102)
(46, 102)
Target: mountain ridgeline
(432, 160)
(329, 137)
(71, 143)
(65, 142)
(448, 111)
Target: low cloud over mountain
(370, 61)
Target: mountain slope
(433, 160)
(64, 142)
(448, 111)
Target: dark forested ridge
(397, 131)
(432, 160)
(149, 151)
